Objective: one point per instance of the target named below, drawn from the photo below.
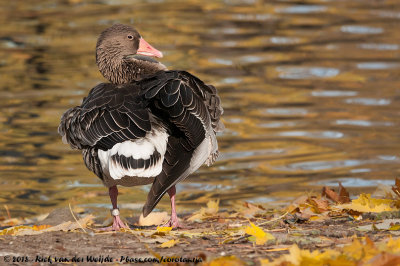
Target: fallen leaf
(13, 230)
(40, 227)
(330, 194)
(67, 226)
(212, 209)
(322, 217)
(396, 187)
(360, 251)
(259, 235)
(249, 210)
(169, 243)
(297, 256)
(384, 259)
(395, 227)
(364, 203)
(301, 200)
(385, 192)
(213, 206)
(392, 245)
(154, 218)
(163, 229)
(226, 261)
(321, 205)
(344, 196)
(387, 224)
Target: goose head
(123, 56)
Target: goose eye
(130, 37)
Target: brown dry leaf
(321, 205)
(344, 196)
(330, 194)
(306, 207)
(301, 200)
(169, 243)
(154, 218)
(249, 210)
(305, 213)
(396, 187)
(295, 206)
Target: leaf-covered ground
(325, 229)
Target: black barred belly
(128, 171)
(131, 163)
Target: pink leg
(117, 223)
(173, 222)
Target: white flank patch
(142, 148)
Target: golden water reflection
(310, 91)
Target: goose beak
(146, 49)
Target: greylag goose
(148, 125)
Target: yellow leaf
(319, 218)
(395, 227)
(260, 236)
(364, 252)
(365, 203)
(212, 208)
(66, 226)
(360, 251)
(391, 245)
(265, 262)
(169, 243)
(161, 229)
(297, 256)
(40, 227)
(226, 261)
(13, 230)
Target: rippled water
(310, 90)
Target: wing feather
(107, 116)
(188, 107)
